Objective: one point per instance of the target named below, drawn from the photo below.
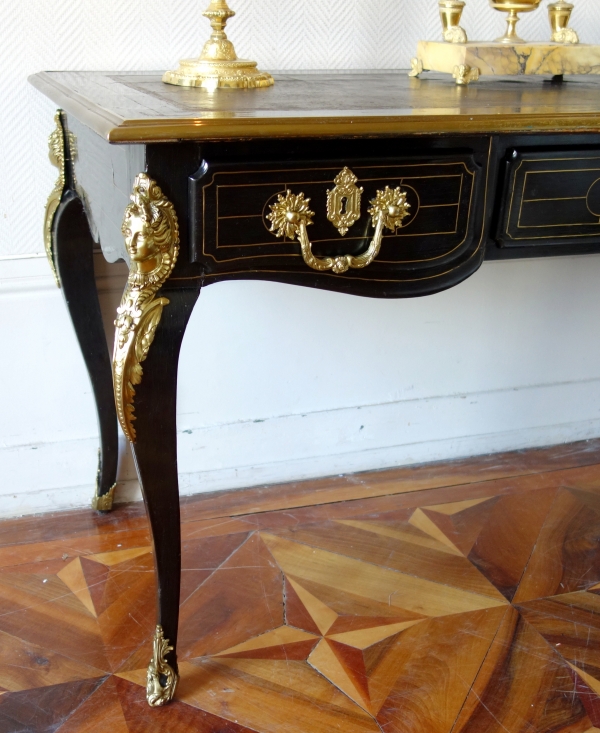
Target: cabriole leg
(150, 325)
(155, 453)
(73, 256)
(69, 248)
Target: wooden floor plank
(450, 598)
(394, 481)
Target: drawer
(232, 209)
(550, 198)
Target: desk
(369, 184)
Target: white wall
(508, 359)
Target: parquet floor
(450, 598)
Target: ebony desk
(368, 184)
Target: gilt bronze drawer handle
(291, 216)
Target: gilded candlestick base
(218, 64)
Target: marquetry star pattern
(473, 615)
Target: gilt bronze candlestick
(513, 8)
(218, 64)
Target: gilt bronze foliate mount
(151, 232)
(218, 65)
(60, 143)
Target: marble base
(468, 61)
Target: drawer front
(236, 204)
(551, 199)
(231, 210)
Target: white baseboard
(60, 475)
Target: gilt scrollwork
(161, 678)
(56, 152)
(290, 216)
(151, 232)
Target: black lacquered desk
(368, 184)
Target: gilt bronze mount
(508, 55)
(151, 232)
(57, 154)
(290, 216)
(218, 65)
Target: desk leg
(155, 453)
(73, 256)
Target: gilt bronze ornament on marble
(508, 55)
(218, 65)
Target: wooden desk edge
(116, 129)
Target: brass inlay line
(559, 160)
(564, 170)
(462, 180)
(439, 206)
(556, 236)
(263, 244)
(241, 216)
(446, 254)
(325, 241)
(563, 198)
(350, 276)
(312, 182)
(522, 183)
(552, 226)
(389, 166)
(422, 206)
